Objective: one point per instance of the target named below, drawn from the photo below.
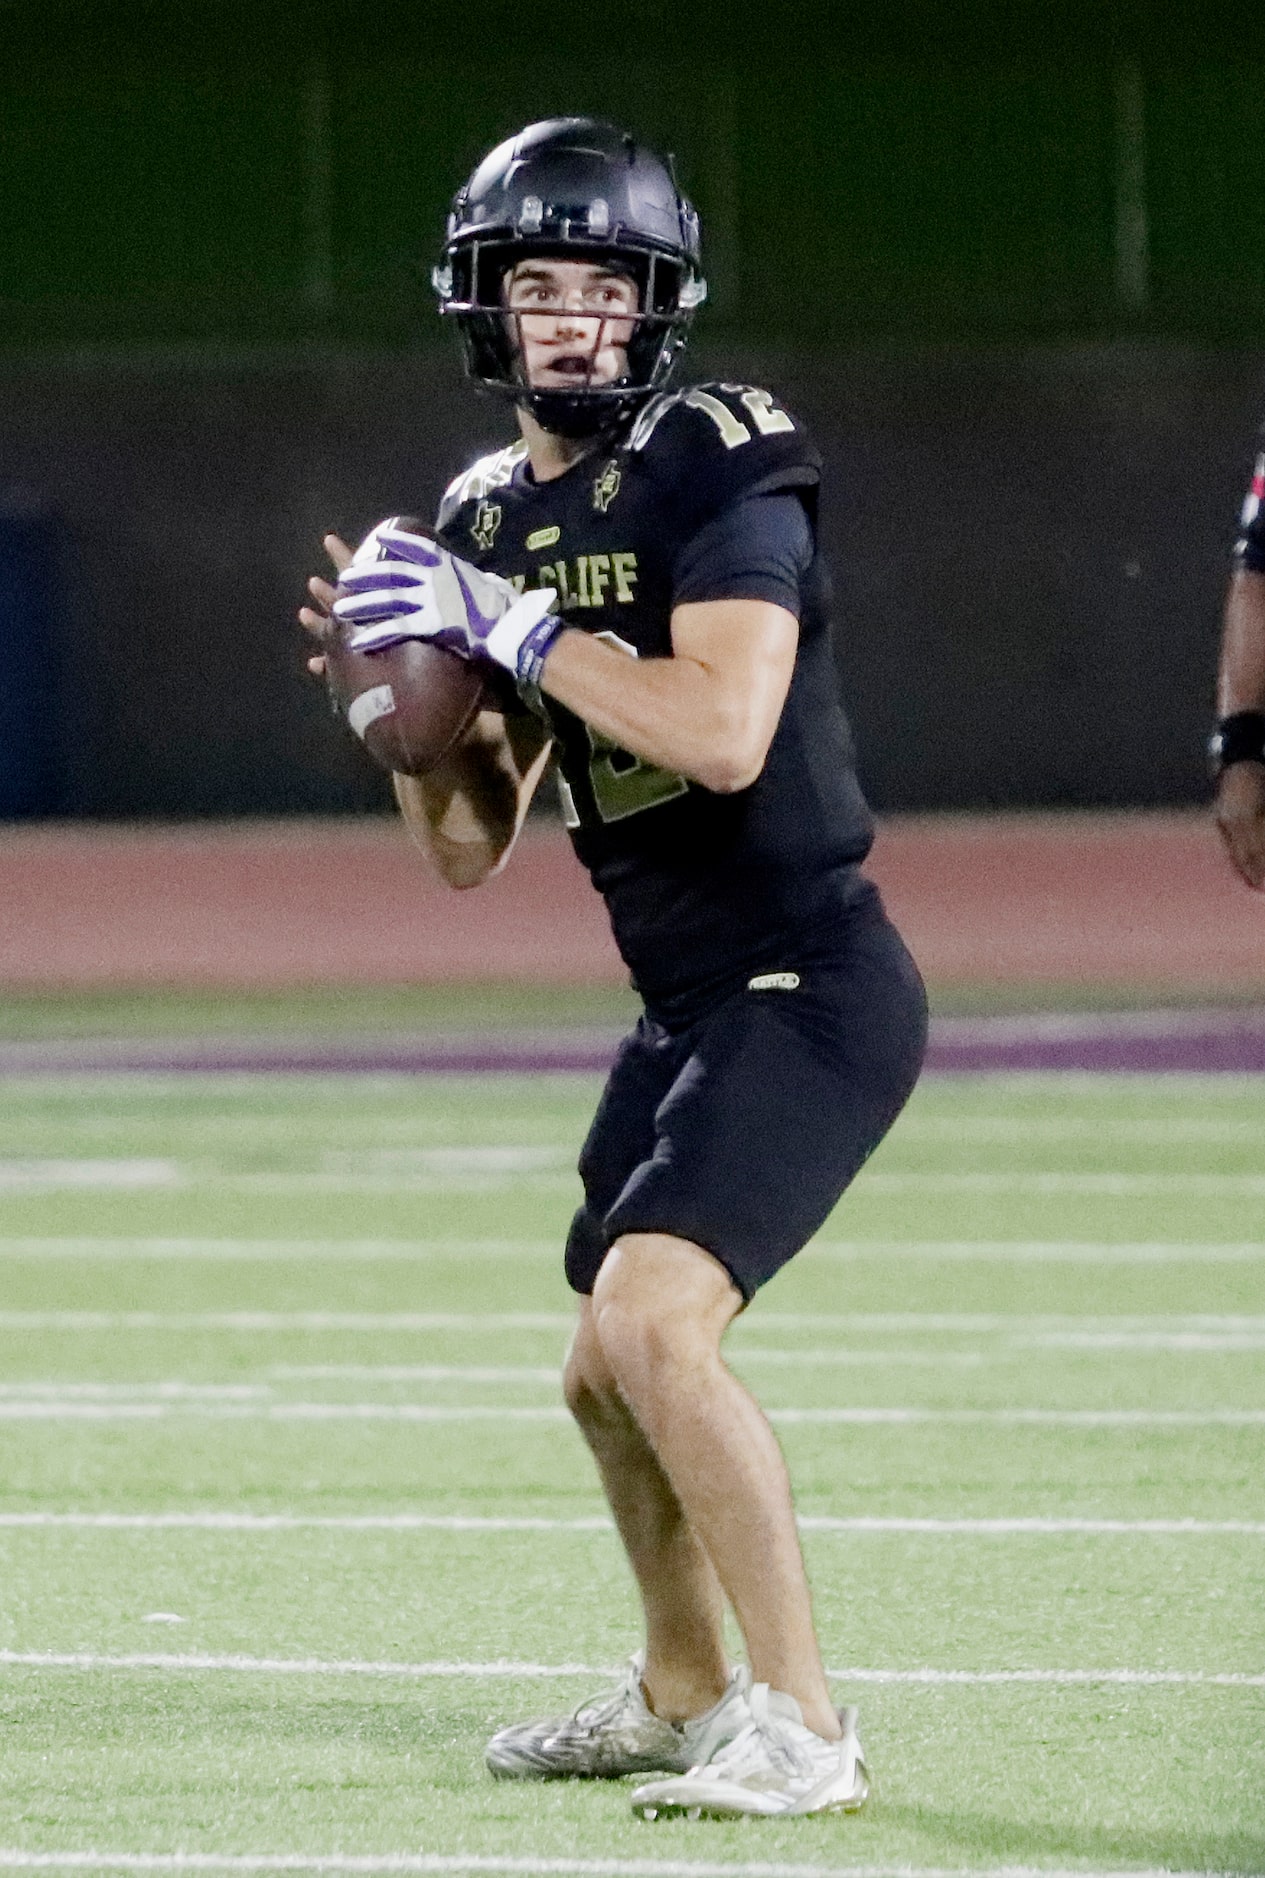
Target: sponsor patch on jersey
(543, 538)
(487, 519)
(774, 981)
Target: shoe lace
(599, 1711)
(764, 1740)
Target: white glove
(402, 586)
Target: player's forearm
(465, 814)
(1241, 677)
(677, 713)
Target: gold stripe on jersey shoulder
(490, 472)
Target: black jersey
(701, 887)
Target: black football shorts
(740, 1132)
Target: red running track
(1060, 900)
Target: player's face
(575, 319)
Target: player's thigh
(783, 1098)
(621, 1136)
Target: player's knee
(646, 1332)
(588, 1386)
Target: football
(408, 703)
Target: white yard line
(1019, 1251)
(47, 1174)
(75, 1409)
(414, 1372)
(868, 1322)
(271, 1321)
(211, 1520)
(505, 1667)
(84, 1246)
(1041, 1251)
(1147, 1130)
(435, 1864)
(1111, 1185)
(112, 1391)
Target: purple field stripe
(1133, 1042)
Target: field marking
(424, 1864)
(1020, 1251)
(1039, 1251)
(748, 1353)
(414, 1372)
(40, 1408)
(1112, 1185)
(354, 1250)
(210, 1520)
(269, 1321)
(1147, 1130)
(34, 1175)
(505, 1667)
(48, 1174)
(111, 1391)
(894, 1322)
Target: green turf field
(291, 1517)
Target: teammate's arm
(1240, 803)
(465, 814)
(1241, 688)
(709, 712)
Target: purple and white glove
(401, 586)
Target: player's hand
(400, 585)
(1240, 815)
(316, 620)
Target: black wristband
(1239, 738)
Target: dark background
(1007, 265)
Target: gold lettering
(557, 577)
(518, 582)
(624, 567)
(582, 581)
(600, 576)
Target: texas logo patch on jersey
(487, 519)
(606, 487)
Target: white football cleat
(617, 1733)
(775, 1767)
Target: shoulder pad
(490, 472)
(715, 443)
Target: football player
(660, 624)
(1238, 743)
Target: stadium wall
(1029, 547)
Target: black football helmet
(582, 190)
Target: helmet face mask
(571, 189)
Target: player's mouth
(572, 367)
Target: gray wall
(1029, 549)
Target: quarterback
(638, 573)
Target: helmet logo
(487, 519)
(606, 487)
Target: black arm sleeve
(757, 549)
